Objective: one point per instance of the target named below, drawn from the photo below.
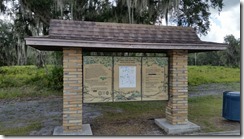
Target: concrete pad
(176, 129)
(223, 133)
(86, 130)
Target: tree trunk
(195, 59)
(25, 54)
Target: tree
(27, 23)
(195, 13)
(31, 17)
(7, 44)
(232, 56)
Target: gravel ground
(212, 89)
(21, 113)
(49, 110)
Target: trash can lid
(234, 93)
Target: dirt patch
(137, 127)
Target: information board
(127, 78)
(115, 79)
(154, 78)
(97, 79)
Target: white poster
(127, 76)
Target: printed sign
(127, 78)
(116, 79)
(97, 79)
(154, 78)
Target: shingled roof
(69, 33)
(114, 32)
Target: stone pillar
(72, 91)
(177, 108)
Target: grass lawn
(27, 91)
(21, 131)
(212, 74)
(205, 111)
(27, 81)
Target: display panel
(115, 79)
(127, 78)
(97, 79)
(154, 78)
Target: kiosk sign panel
(127, 78)
(154, 78)
(97, 79)
(116, 79)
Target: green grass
(135, 109)
(205, 111)
(22, 131)
(28, 81)
(27, 91)
(17, 76)
(212, 74)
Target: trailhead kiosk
(112, 78)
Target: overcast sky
(224, 23)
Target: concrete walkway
(230, 133)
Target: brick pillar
(72, 91)
(177, 108)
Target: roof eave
(58, 45)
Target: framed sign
(154, 78)
(97, 79)
(127, 78)
(117, 79)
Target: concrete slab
(176, 129)
(86, 130)
(223, 133)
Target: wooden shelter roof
(101, 35)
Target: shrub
(55, 78)
(18, 76)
